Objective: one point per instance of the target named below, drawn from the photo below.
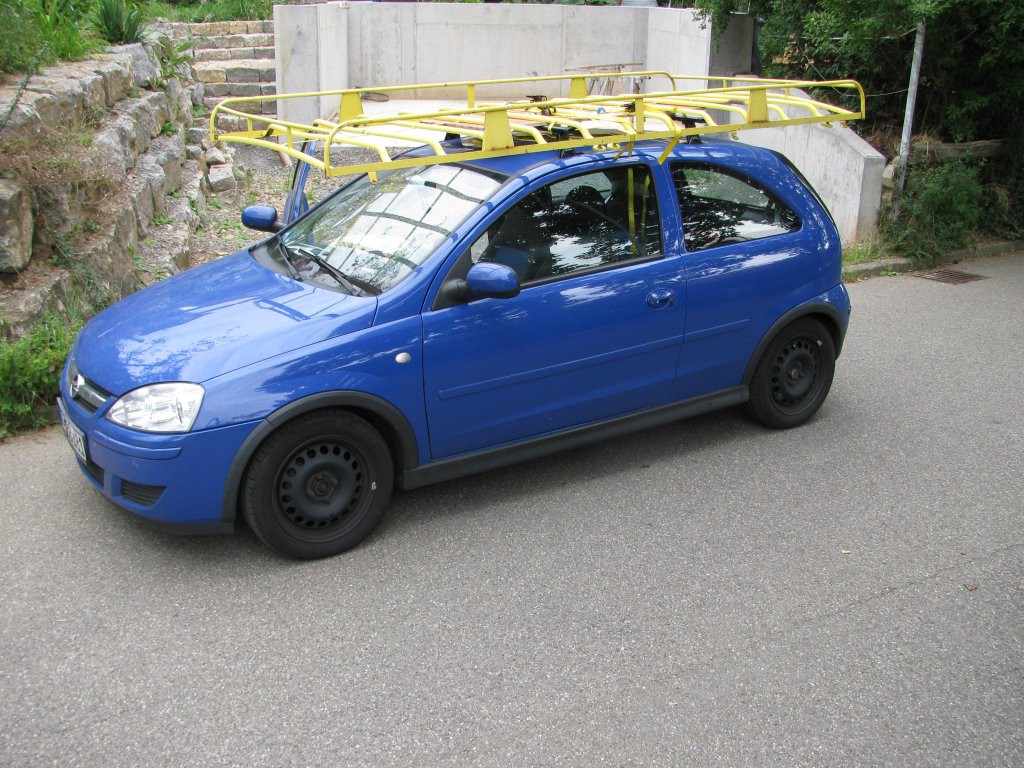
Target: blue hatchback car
(448, 319)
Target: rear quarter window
(721, 206)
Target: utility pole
(908, 119)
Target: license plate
(76, 437)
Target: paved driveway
(707, 593)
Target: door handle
(662, 298)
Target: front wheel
(793, 376)
(318, 485)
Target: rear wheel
(793, 376)
(318, 485)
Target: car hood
(211, 320)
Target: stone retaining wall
(115, 211)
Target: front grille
(87, 394)
(95, 472)
(143, 495)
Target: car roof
(713, 148)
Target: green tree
(974, 51)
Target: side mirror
(487, 280)
(261, 217)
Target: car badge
(76, 384)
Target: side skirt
(492, 458)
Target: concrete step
(236, 71)
(219, 42)
(226, 54)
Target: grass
(58, 156)
(864, 252)
(29, 371)
(210, 10)
(39, 32)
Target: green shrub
(1004, 188)
(61, 28)
(20, 42)
(29, 370)
(173, 57)
(940, 210)
(118, 22)
(37, 32)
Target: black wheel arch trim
(405, 452)
(838, 330)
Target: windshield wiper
(353, 285)
(287, 261)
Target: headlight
(159, 407)
(72, 374)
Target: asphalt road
(707, 593)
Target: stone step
(238, 71)
(233, 123)
(211, 28)
(38, 289)
(135, 123)
(268, 107)
(155, 176)
(226, 54)
(234, 41)
(222, 90)
(168, 249)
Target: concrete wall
(378, 44)
(732, 56)
(297, 58)
(677, 44)
(844, 169)
(344, 45)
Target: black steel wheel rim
(319, 489)
(795, 373)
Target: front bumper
(174, 480)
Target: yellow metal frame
(523, 126)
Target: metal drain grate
(952, 276)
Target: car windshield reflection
(377, 233)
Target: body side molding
(492, 458)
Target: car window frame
(460, 266)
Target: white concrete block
(297, 60)
(332, 19)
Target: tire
(318, 485)
(793, 376)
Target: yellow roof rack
(536, 123)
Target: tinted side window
(580, 223)
(720, 207)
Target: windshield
(373, 235)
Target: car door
(750, 256)
(595, 332)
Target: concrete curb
(871, 268)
